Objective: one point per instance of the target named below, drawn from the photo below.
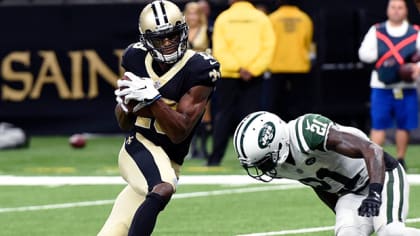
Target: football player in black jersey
(160, 101)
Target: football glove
(138, 89)
(122, 105)
(371, 204)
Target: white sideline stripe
(307, 230)
(176, 196)
(12, 180)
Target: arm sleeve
(204, 71)
(268, 41)
(312, 130)
(368, 51)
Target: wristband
(375, 187)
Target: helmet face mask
(261, 141)
(163, 31)
(264, 170)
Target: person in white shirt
(389, 45)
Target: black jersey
(191, 70)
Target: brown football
(406, 72)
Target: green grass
(226, 214)
(54, 156)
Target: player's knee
(351, 231)
(164, 189)
(392, 229)
(162, 193)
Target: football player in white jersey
(365, 187)
(161, 100)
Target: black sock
(146, 215)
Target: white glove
(138, 89)
(122, 105)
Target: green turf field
(81, 210)
(54, 156)
(224, 214)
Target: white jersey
(316, 166)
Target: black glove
(371, 204)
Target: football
(77, 141)
(406, 71)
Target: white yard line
(176, 196)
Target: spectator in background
(206, 8)
(198, 40)
(243, 43)
(288, 87)
(197, 22)
(390, 44)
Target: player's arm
(357, 147)
(125, 120)
(368, 51)
(178, 124)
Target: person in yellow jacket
(291, 62)
(243, 43)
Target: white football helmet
(261, 141)
(159, 21)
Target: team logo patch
(129, 140)
(266, 135)
(310, 161)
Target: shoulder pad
(204, 69)
(312, 131)
(134, 53)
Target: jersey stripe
(299, 136)
(235, 141)
(395, 199)
(390, 197)
(165, 78)
(401, 186)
